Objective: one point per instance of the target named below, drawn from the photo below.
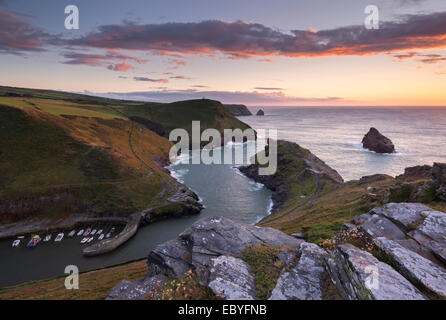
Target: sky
(255, 52)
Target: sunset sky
(256, 52)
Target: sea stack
(375, 141)
(260, 113)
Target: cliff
(238, 109)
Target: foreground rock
(208, 239)
(378, 143)
(408, 239)
(430, 276)
(306, 280)
(231, 279)
(360, 276)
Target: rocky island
(260, 113)
(378, 143)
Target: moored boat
(47, 238)
(93, 232)
(16, 243)
(59, 237)
(87, 232)
(84, 240)
(100, 231)
(81, 232)
(72, 233)
(101, 236)
(90, 240)
(35, 240)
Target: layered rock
(360, 276)
(231, 279)
(306, 280)
(404, 263)
(378, 143)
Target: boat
(81, 231)
(84, 240)
(16, 243)
(35, 240)
(59, 237)
(72, 233)
(93, 232)
(100, 231)
(47, 238)
(112, 230)
(101, 236)
(87, 232)
(108, 235)
(90, 240)
(20, 237)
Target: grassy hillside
(66, 153)
(93, 285)
(310, 198)
(210, 113)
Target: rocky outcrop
(360, 276)
(231, 279)
(293, 161)
(260, 113)
(306, 280)
(378, 143)
(238, 109)
(208, 239)
(430, 276)
(403, 263)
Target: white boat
(108, 235)
(47, 238)
(87, 232)
(72, 233)
(20, 237)
(90, 240)
(101, 236)
(84, 240)
(100, 231)
(93, 232)
(59, 237)
(16, 243)
(81, 231)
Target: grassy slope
(322, 218)
(210, 113)
(93, 285)
(67, 153)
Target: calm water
(222, 189)
(334, 134)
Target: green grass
(93, 285)
(265, 266)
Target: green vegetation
(265, 266)
(66, 153)
(93, 285)
(186, 288)
(401, 194)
